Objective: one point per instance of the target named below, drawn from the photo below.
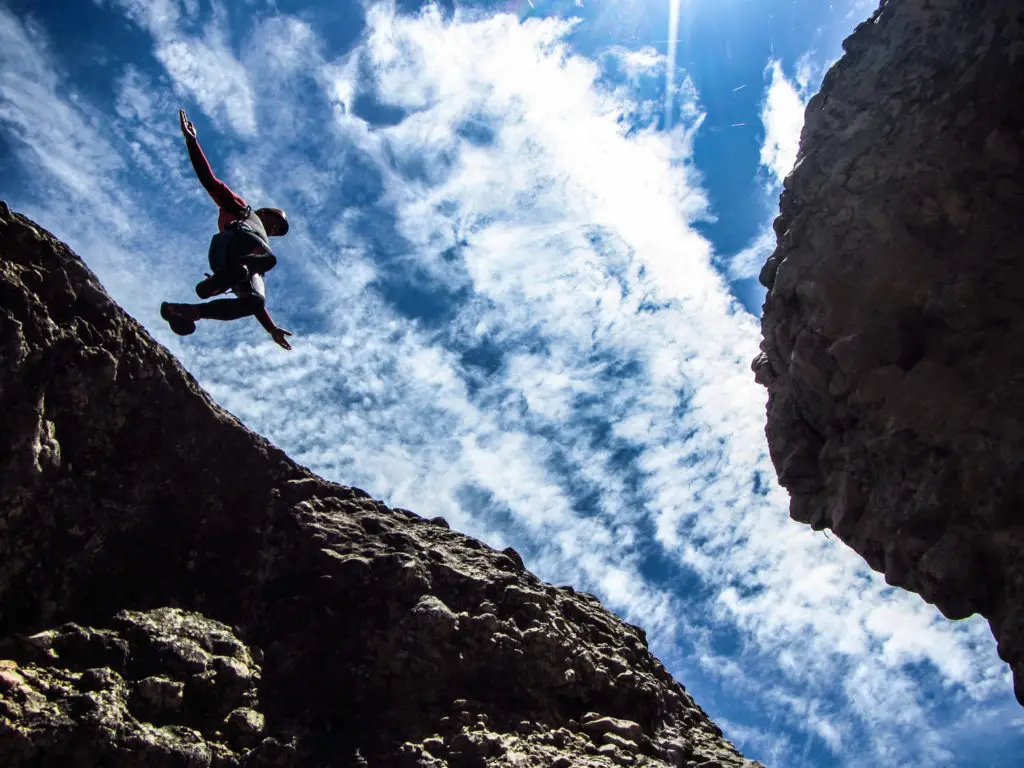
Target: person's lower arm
(199, 162)
(217, 189)
(266, 321)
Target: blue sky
(521, 282)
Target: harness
(239, 238)
(242, 225)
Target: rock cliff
(893, 327)
(174, 591)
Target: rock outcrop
(893, 347)
(175, 591)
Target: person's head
(275, 221)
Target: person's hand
(279, 335)
(187, 127)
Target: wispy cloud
(504, 315)
(748, 262)
(56, 141)
(197, 54)
(783, 119)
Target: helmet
(274, 214)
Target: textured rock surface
(893, 329)
(174, 687)
(316, 625)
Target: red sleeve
(219, 191)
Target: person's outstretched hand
(187, 127)
(279, 335)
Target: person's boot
(217, 283)
(178, 318)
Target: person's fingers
(187, 126)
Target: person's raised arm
(219, 191)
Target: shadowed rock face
(893, 347)
(231, 608)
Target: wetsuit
(239, 253)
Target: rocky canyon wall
(893, 348)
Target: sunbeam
(670, 68)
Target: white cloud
(748, 262)
(59, 141)
(772, 745)
(859, 10)
(783, 119)
(160, 17)
(633, 63)
(201, 67)
(209, 72)
(617, 433)
(808, 75)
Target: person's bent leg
(259, 263)
(219, 282)
(229, 263)
(225, 265)
(230, 309)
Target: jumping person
(239, 255)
